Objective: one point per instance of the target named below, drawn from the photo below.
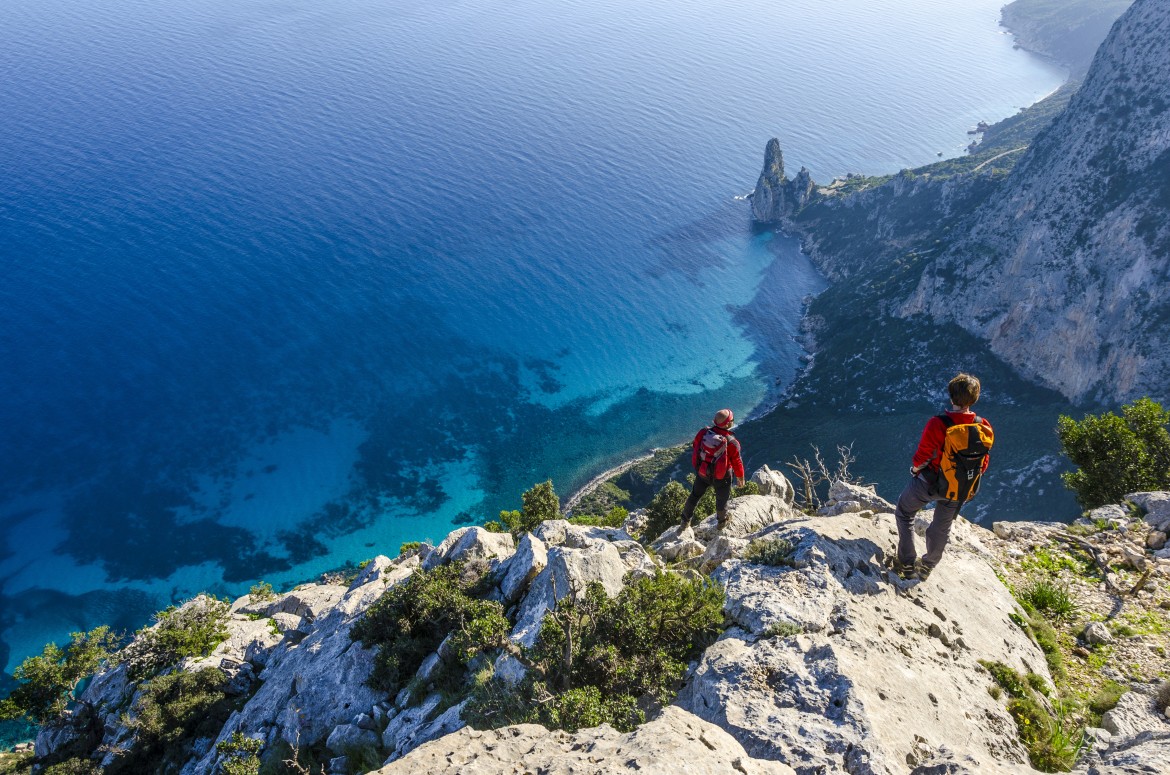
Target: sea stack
(775, 196)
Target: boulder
(772, 482)
(410, 721)
(1096, 634)
(1155, 540)
(522, 567)
(1134, 713)
(1147, 753)
(1156, 507)
(471, 543)
(866, 495)
(636, 558)
(1113, 514)
(675, 742)
(568, 572)
(347, 737)
(841, 507)
(447, 722)
(746, 515)
(723, 548)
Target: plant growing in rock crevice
(1052, 737)
(599, 659)
(776, 552)
(412, 618)
(191, 630)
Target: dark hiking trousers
(913, 498)
(722, 495)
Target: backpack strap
(947, 420)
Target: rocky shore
(828, 661)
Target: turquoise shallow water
(285, 284)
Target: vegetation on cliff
(1117, 454)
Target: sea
(286, 283)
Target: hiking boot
(904, 570)
(922, 570)
(721, 521)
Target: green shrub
(74, 766)
(598, 659)
(1037, 682)
(12, 763)
(412, 618)
(1048, 597)
(1047, 639)
(172, 711)
(776, 552)
(261, 591)
(240, 755)
(47, 682)
(409, 547)
(191, 630)
(1053, 741)
(1105, 700)
(1007, 678)
(782, 630)
(615, 517)
(1117, 455)
(664, 510)
(540, 503)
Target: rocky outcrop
(674, 742)
(830, 663)
(1061, 271)
(869, 673)
(776, 197)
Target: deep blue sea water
(284, 283)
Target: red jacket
(730, 458)
(933, 436)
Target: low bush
(1048, 597)
(782, 630)
(540, 503)
(46, 683)
(261, 591)
(665, 509)
(1115, 454)
(191, 630)
(598, 659)
(409, 547)
(776, 552)
(241, 755)
(74, 766)
(1105, 700)
(171, 713)
(412, 618)
(1053, 741)
(615, 517)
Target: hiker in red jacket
(951, 457)
(715, 456)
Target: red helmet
(724, 418)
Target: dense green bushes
(540, 503)
(47, 681)
(410, 621)
(606, 660)
(192, 630)
(1116, 455)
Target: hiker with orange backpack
(715, 454)
(947, 467)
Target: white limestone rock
(568, 572)
(773, 482)
(1096, 634)
(409, 721)
(1134, 713)
(720, 550)
(471, 543)
(881, 660)
(746, 515)
(522, 567)
(673, 743)
(346, 737)
(1156, 508)
(866, 495)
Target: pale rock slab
(866, 495)
(881, 661)
(674, 743)
(522, 567)
(568, 571)
(1134, 713)
(471, 543)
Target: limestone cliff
(1064, 269)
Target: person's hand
(915, 470)
(741, 482)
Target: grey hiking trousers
(910, 502)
